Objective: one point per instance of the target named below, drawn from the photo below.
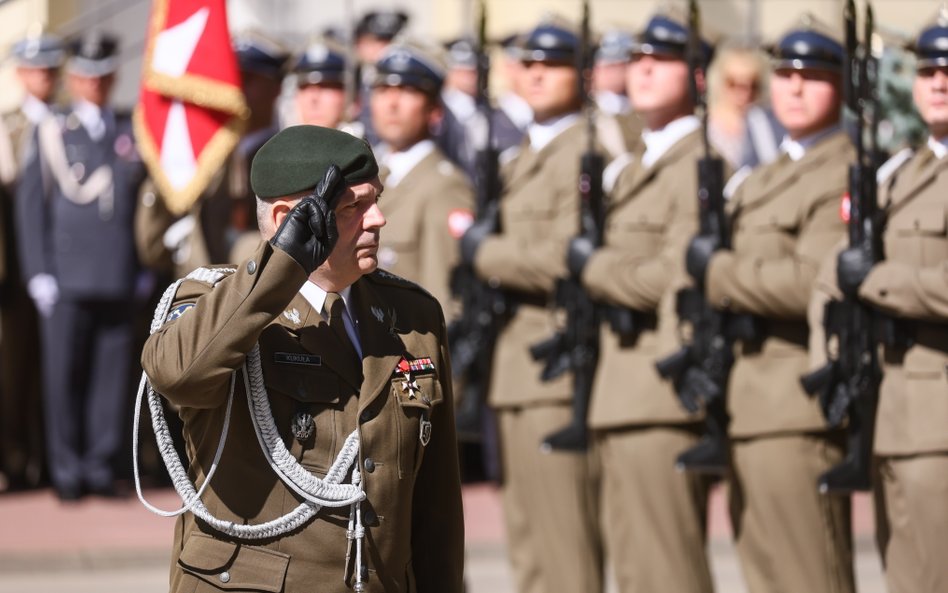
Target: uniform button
(251, 267)
(369, 464)
(370, 518)
(225, 577)
(148, 199)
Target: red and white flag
(191, 109)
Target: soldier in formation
(75, 208)
(657, 516)
(38, 59)
(428, 200)
(784, 218)
(538, 215)
(908, 289)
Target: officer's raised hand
(698, 256)
(308, 233)
(852, 267)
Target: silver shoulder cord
(316, 492)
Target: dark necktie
(337, 315)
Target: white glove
(44, 291)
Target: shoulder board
(380, 276)
(210, 275)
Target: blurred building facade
(295, 20)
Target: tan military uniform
(656, 516)
(427, 212)
(21, 415)
(412, 512)
(911, 436)
(550, 500)
(785, 219)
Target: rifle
(472, 336)
(576, 346)
(849, 385)
(700, 369)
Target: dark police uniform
(398, 397)
(785, 217)
(910, 286)
(550, 499)
(427, 199)
(655, 517)
(75, 209)
(21, 417)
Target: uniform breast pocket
(214, 565)
(415, 399)
(924, 233)
(530, 220)
(773, 233)
(305, 401)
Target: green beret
(296, 159)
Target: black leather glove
(473, 238)
(308, 233)
(852, 267)
(578, 254)
(699, 255)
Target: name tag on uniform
(297, 358)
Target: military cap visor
(549, 43)
(931, 47)
(296, 159)
(45, 52)
(94, 56)
(666, 37)
(808, 50)
(320, 64)
(401, 66)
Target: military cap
(461, 53)
(94, 55)
(809, 44)
(408, 63)
(383, 24)
(296, 159)
(322, 62)
(550, 42)
(666, 34)
(614, 47)
(511, 45)
(39, 51)
(931, 46)
(259, 54)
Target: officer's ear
(275, 213)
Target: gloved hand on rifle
(308, 233)
(473, 237)
(852, 266)
(578, 253)
(698, 255)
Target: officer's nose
(374, 219)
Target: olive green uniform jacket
(426, 214)
(412, 512)
(785, 218)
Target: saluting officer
(222, 224)
(655, 516)
(75, 209)
(354, 384)
(784, 218)
(428, 200)
(37, 59)
(911, 287)
(550, 499)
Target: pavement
(117, 546)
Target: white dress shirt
(658, 142)
(542, 134)
(400, 164)
(316, 297)
(796, 149)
